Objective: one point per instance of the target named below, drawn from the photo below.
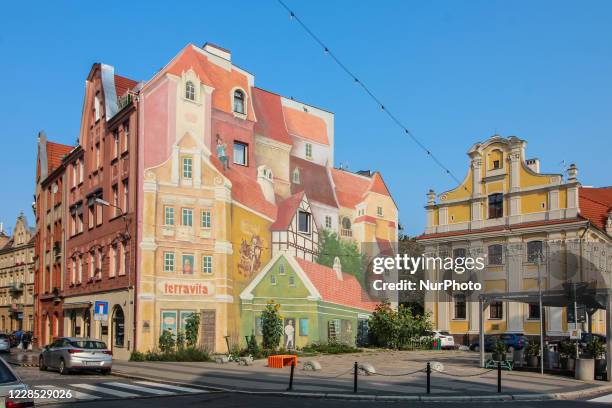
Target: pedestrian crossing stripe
(86, 391)
(603, 398)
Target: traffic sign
(101, 310)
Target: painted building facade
(317, 303)
(507, 211)
(17, 279)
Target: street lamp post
(541, 315)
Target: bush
(272, 326)
(182, 355)
(396, 329)
(166, 341)
(330, 348)
(137, 356)
(192, 327)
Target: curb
(369, 397)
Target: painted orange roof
(286, 212)
(269, 113)
(314, 180)
(595, 204)
(123, 84)
(305, 125)
(378, 185)
(55, 154)
(350, 188)
(347, 292)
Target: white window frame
(246, 153)
(207, 264)
(169, 215)
(187, 212)
(205, 219)
(187, 167)
(169, 261)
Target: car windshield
(88, 344)
(6, 376)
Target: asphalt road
(227, 400)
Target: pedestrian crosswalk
(607, 398)
(114, 389)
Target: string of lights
(371, 94)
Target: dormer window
(296, 176)
(239, 102)
(190, 91)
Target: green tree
(272, 326)
(331, 246)
(395, 329)
(180, 340)
(166, 341)
(192, 327)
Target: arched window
(346, 231)
(119, 327)
(190, 91)
(239, 101)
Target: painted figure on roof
(222, 152)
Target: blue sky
(455, 72)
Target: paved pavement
(398, 374)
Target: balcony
(124, 101)
(344, 232)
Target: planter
(600, 369)
(532, 361)
(499, 356)
(585, 369)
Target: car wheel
(62, 367)
(41, 364)
(106, 371)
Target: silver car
(5, 343)
(13, 392)
(76, 353)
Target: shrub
(272, 326)
(330, 348)
(567, 348)
(180, 340)
(396, 329)
(596, 348)
(183, 355)
(533, 348)
(137, 356)
(166, 341)
(192, 327)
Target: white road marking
(139, 388)
(75, 394)
(170, 387)
(603, 398)
(104, 390)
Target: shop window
(119, 327)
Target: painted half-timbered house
(294, 230)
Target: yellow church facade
(508, 212)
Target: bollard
(291, 376)
(355, 378)
(428, 377)
(499, 376)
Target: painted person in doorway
(222, 152)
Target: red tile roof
(123, 84)
(378, 185)
(269, 113)
(595, 204)
(347, 292)
(350, 187)
(246, 190)
(365, 218)
(305, 125)
(314, 180)
(286, 211)
(55, 154)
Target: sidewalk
(22, 358)
(400, 375)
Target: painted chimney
(218, 51)
(265, 179)
(533, 164)
(431, 197)
(572, 172)
(338, 268)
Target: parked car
(512, 341)
(446, 339)
(5, 343)
(68, 354)
(10, 384)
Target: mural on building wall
(188, 261)
(250, 256)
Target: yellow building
(507, 212)
(17, 279)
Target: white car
(5, 344)
(446, 339)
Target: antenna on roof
(344, 166)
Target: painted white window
(207, 264)
(272, 279)
(187, 167)
(168, 215)
(308, 151)
(328, 222)
(168, 261)
(187, 217)
(296, 176)
(190, 91)
(379, 211)
(241, 153)
(205, 219)
(239, 105)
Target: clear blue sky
(454, 71)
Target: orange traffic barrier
(281, 360)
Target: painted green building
(318, 303)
